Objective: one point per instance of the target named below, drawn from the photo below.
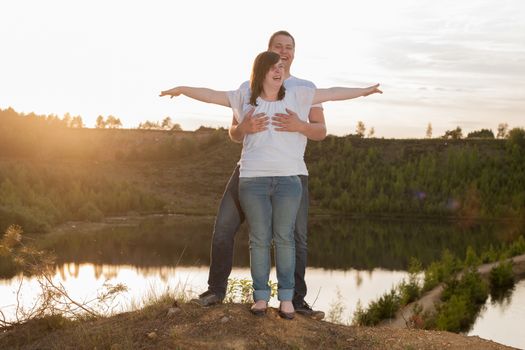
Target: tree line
(470, 178)
(38, 196)
(351, 175)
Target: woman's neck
(270, 93)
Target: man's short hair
(280, 32)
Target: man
(230, 215)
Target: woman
(269, 186)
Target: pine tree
(360, 129)
(113, 122)
(100, 124)
(429, 131)
(502, 130)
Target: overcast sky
(448, 63)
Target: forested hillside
(431, 177)
(51, 172)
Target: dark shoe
(259, 311)
(286, 315)
(302, 308)
(207, 298)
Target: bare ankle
(260, 304)
(286, 306)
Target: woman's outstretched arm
(200, 94)
(342, 93)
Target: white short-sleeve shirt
(270, 152)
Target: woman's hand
(172, 92)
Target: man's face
(283, 45)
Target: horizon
(158, 127)
(448, 64)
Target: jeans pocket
(247, 181)
(293, 179)
(248, 184)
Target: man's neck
(287, 74)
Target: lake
(350, 261)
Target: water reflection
(367, 244)
(501, 322)
(349, 260)
(82, 281)
(334, 243)
(498, 320)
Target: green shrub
(451, 315)
(441, 271)
(382, 309)
(411, 290)
(90, 212)
(501, 280)
(461, 302)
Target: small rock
(173, 311)
(152, 335)
(225, 319)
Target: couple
(269, 185)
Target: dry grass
(227, 326)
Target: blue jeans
(301, 244)
(270, 204)
(229, 218)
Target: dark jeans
(229, 219)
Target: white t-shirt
(270, 152)
(288, 83)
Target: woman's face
(275, 76)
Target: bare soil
(227, 326)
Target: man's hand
(252, 124)
(288, 122)
(172, 92)
(374, 89)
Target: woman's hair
(261, 66)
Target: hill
(105, 172)
(227, 326)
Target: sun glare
(93, 59)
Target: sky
(448, 63)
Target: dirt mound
(228, 326)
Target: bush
(441, 271)
(382, 309)
(451, 314)
(462, 300)
(52, 302)
(517, 137)
(411, 290)
(90, 212)
(501, 280)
